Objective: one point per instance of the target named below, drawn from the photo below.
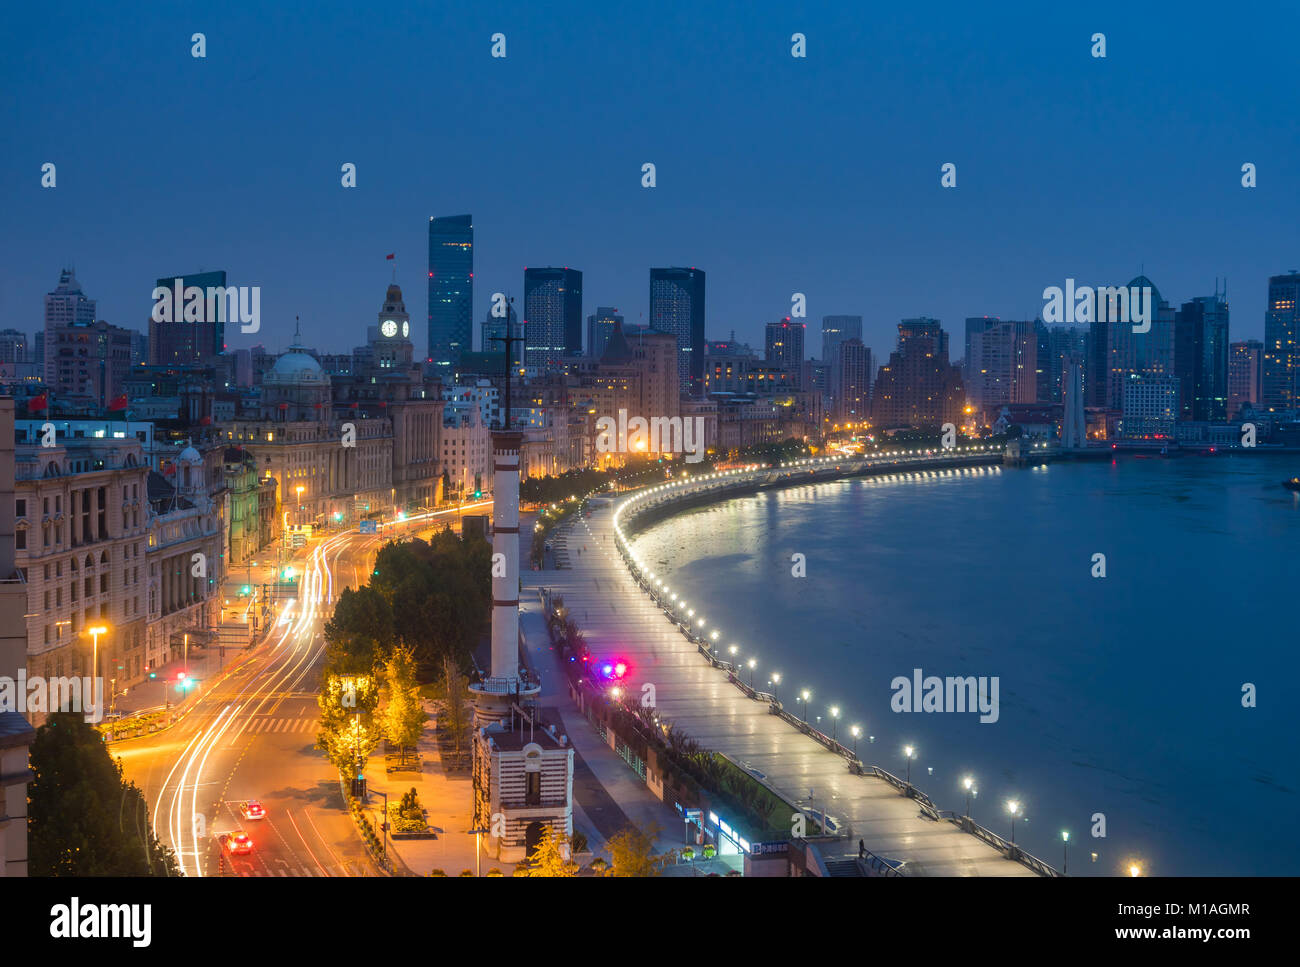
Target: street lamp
(1065, 838)
(855, 731)
(909, 752)
(776, 690)
(95, 632)
(805, 695)
(752, 662)
(1134, 869)
(300, 488)
(835, 723)
(1013, 808)
(968, 784)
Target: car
(238, 843)
(252, 810)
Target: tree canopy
(84, 818)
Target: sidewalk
(607, 795)
(449, 801)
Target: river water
(1119, 696)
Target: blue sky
(775, 175)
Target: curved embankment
(870, 809)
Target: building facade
(451, 289)
(677, 308)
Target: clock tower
(391, 340)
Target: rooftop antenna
(508, 340)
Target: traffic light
(245, 591)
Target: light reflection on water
(1119, 695)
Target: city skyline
(856, 233)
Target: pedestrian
(862, 849)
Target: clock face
(388, 328)
(406, 329)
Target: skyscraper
(451, 288)
(1002, 363)
(836, 329)
(494, 329)
(182, 343)
(1118, 354)
(552, 317)
(918, 386)
(1245, 375)
(1201, 358)
(1282, 343)
(783, 346)
(66, 306)
(599, 328)
(677, 307)
(852, 394)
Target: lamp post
(909, 752)
(776, 687)
(835, 724)
(1065, 839)
(95, 632)
(300, 488)
(478, 847)
(805, 695)
(855, 731)
(969, 785)
(752, 663)
(1013, 808)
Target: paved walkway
(449, 800)
(617, 616)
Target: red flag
(391, 255)
(38, 402)
(117, 403)
(206, 421)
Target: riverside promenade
(620, 619)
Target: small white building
(523, 785)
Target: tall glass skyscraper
(552, 317)
(677, 307)
(1282, 343)
(600, 328)
(451, 288)
(1201, 358)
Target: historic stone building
(185, 560)
(82, 519)
(324, 467)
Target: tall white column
(505, 541)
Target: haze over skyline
(774, 174)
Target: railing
(745, 479)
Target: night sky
(775, 174)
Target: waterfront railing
(716, 484)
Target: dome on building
(190, 455)
(296, 366)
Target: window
(20, 539)
(533, 794)
(20, 508)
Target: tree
(547, 859)
(403, 718)
(456, 688)
(348, 732)
(360, 632)
(632, 853)
(84, 819)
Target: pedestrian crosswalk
(271, 724)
